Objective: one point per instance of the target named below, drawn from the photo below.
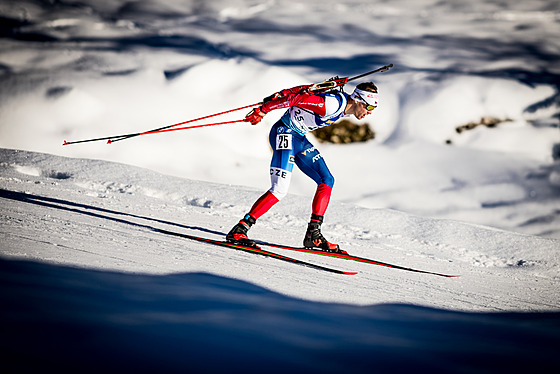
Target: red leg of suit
(321, 199)
(263, 204)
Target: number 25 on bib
(283, 141)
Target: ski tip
(350, 272)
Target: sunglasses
(368, 107)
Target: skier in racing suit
(306, 112)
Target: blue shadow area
(64, 319)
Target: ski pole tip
(65, 143)
(109, 141)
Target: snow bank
(86, 282)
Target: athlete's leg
(284, 143)
(321, 199)
(311, 162)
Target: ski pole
(189, 127)
(115, 138)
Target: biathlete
(306, 112)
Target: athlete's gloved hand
(275, 95)
(254, 116)
(306, 90)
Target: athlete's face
(361, 110)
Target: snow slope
(95, 214)
(86, 283)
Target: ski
(353, 258)
(256, 250)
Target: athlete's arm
(296, 96)
(313, 103)
(283, 93)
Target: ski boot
(315, 240)
(238, 234)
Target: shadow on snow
(70, 319)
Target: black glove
(275, 95)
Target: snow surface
(102, 286)
(82, 270)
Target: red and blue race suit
(306, 112)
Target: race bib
(283, 141)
